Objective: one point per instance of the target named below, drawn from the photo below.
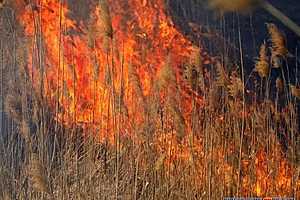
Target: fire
(97, 73)
(76, 72)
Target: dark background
(252, 25)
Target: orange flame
(145, 37)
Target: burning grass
(127, 108)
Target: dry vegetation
(241, 139)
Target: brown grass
(278, 49)
(262, 64)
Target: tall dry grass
(239, 143)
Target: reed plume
(278, 50)
(279, 85)
(37, 175)
(6, 195)
(236, 86)
(2, 3)
(193, 71)
(105, 18)
(221, 78)
(96, 70)
(134, 79)
(166, 75)
(178, 118)
(191, 75)
(197, 59)
(159, 162)
(295, 91)
(93, 31)
(25, 130)
(262, 64)
(13, 107)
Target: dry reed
(221, 79)
(278, 49)
(262, 64)
(105, 18)
(2, 3)
(279, 85)
(37, 174)
(13, 106)
(295, 91)
(236, 86)
(106, 28)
